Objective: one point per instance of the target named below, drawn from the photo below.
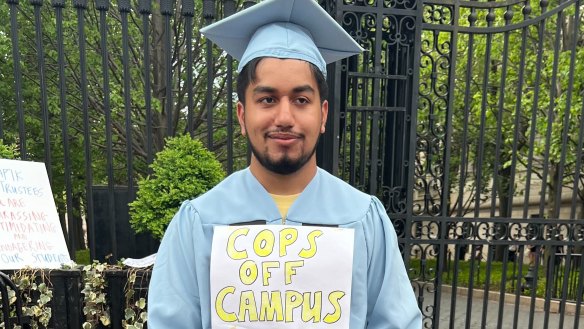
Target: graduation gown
(381, 294)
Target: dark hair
(248, 75)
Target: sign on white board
(268, 276)
(30, 231)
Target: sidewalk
(495, 317)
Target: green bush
(183, 170)
(8, 151)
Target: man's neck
(284, 184)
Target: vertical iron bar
(13, 4)
(480, 154)
(374, 133)
(517, 122)
(534, 111)
(363, 143)
(166, 9)
(454, 285)
(563, 159)
(534, 290)
(445, 199)
(518, 284)
(550, 116)
(501, 111)
(209, 15)
(37, 4)
(124, 8)
(564, 294)
(548, 293)
(482, 125)
(580, 144)
(72, 223)
(511, 188)
(229, 9)
(81, 6)
(103, 7)
(503, 283)
(567, 112)
(145, 8)
(412, 117)
(490, 257)
(464, 141)
(498, 142)
(580, 290)
(332, 137)
(188, 12)
(471, 279)
(471, 19)
(353, 132)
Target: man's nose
(284, 116)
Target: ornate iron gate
(466, 119)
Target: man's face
(282, 116)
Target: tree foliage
(516, 114)
(112, 87)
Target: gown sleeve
(173, 295)
(391, 300)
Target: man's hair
(248, 75)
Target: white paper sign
(30, 231)
(140, 262)
(269, 276)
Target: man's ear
(241, 117)
(324, 111)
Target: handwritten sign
(30, 232)
(277, 275)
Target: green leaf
(129, 314)
(141, 303)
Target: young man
(283, 47)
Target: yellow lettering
(265, 270)
(293, 300)
(271, 303)
(247, 304)
(223, 315)
(287, 237)
(248, 272)
(313, 312)
(334, 299)
(231, 251)
(290, 269)
(310, 252)
(263, 244)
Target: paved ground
(506, 320)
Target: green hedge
(183, 170)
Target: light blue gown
(382, 296)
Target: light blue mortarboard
(298, 29)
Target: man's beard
(283, 166)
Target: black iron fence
(566, 274)
(464, 117)
(77, 299)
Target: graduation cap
(298, 29)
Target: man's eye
(267, 100)
(302, 100)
